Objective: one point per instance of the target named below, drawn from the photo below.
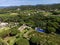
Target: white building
(23, 27)
(3, 24)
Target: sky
(26, 2)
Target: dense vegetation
(46, 17)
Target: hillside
(39, 6)
(30, 25)
(1, 7)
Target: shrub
(14, 31)
(4, 32)
(35, 39)
(22, 41)
(51, 29)
(2, 42)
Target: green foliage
(11, 41)
(35, 39)
(45, 39)
(22, 41)
(14, 31)
(4, 32)
(51, 29)
(2, 42)
(46, 17)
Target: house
(3, 24)
(18, 9)
(21, 28)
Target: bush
(2, 43)
(14, 31)
(11, 40)
(35, 39)
(4, 32)
(22, 41)
(51, 29)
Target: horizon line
(30, 4)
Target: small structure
(29, 14)
(13, 24)
(39, 30)
(23, 27)
(3, 24)
(18, 9)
